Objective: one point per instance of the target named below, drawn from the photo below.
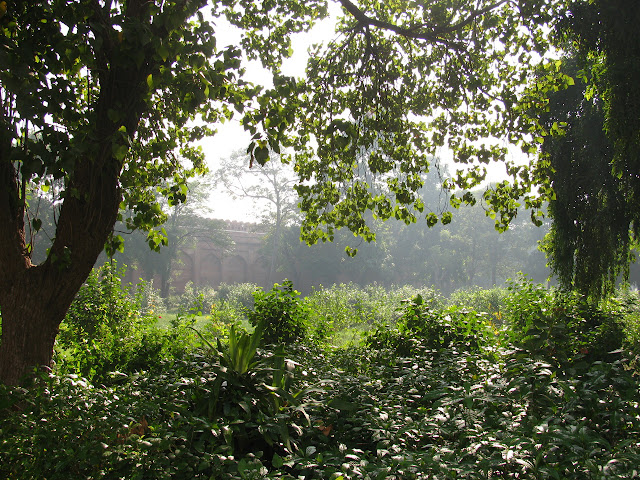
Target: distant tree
(327, 263)
(467, 251)
(270, 188)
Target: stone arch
(236, 270)
(211, 271)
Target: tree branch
(435, 34)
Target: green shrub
(629, 302)
(346, 305)
(401, 342)
(104, 329)
(284, 314)
(424, 327)
(485, 300)
(237, 294)
(196, 299)
(102, 301)
(350, 306)
(233, 303)
(430, 296)
(149, 299)
(563, 327)
(250, 413)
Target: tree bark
(35, 299)
(31, 315)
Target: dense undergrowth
(521, 382)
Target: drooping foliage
(593, 163)
(401, 81)
(606, 32)
(589, 241)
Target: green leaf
(432, 219)
(120, 152)
(163, 51)
(277, 461)
(342, 404)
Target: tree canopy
(104, 99)
(401, 81)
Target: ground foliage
(441, 391)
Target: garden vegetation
(349, 382)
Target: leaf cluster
(282, 314)
(109, 327)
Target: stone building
(206, 264)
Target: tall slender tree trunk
(275, 248)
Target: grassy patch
(165, 320)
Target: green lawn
(165, 319)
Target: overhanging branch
(426, 32)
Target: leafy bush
(445, 414)
(283, 313)
(483, 300)
(384, 339)
(196, 299)
(448, 403)
(233, 303)
(104, 329)
(149, 299)
(349, 306)
(238, 294)
(629, 301)
(102, 301)
(422, 326)
(563, 327)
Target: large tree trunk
(28, 335)
(31, 314)
(34, 299)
